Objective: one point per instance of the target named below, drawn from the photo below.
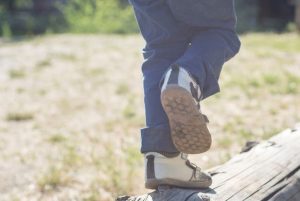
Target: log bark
(269, 171)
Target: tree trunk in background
(297, 14)
(11, 5)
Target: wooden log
(270, 171)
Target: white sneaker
(175, 171)
(180, 97)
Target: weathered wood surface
(268, 172)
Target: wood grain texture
(268, 172)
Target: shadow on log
(269, 171)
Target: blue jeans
(198, 35)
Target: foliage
(93, 16)
(27, 17)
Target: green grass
(90, 109)
(67, 57)
(52, 179)
(19, 116)
(268, 133)
(71, 157)
(225, 142)
(129, 111)
(44, 63)
(288, 43)
(271, 78)
(96, 72)
(122, 89)
(245, 134)
(17, 74)
(94, 194)
(56, 139)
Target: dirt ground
(72, 107)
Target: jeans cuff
(157, 139)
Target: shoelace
(195, 91)
(196, 173)
(192, 165)
(196, 169)
(195, 94)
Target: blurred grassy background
(70, 119)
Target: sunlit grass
(19, 116)
(17, 73)
(58, 138)
(273, 42)
(83, 138)
(52, 179)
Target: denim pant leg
(166, 40)
(214, 40)
(205, 57)
(196, 34)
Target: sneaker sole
(188, 127)
(154, 183)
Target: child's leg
(198, 35)
(214, 39)
(167, 40)
(204, 59)
(213, 42)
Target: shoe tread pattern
(188, 126)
